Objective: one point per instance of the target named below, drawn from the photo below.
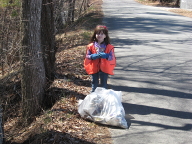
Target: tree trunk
(160, 1)
(33, 72)
(177, 3)
(71, 11)
(60, 16)
(1, 126)
(48, 38)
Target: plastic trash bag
(103, 106)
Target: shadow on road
(143, 24)
(146, 110)
(162, 92)
(186, 127)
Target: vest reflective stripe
(94, 66)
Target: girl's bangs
(99, 30)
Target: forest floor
(61, 123)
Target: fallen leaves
(62, 124)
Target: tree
(48, 38)
(33, 71)
(71, 11)
(177, 3)
(1, 126)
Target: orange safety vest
(94, 66)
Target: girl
(100, 58)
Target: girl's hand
(104, 55)
(94, 56)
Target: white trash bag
(103, 106)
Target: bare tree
(48, 38)
(177, 3)
(71, 11)
(1, 126)
(33, 72)
(38, 46)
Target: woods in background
(28, 48)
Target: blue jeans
(95, 80)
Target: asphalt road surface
(154, 72)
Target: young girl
(100, 58)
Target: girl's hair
(99, 29)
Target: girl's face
(100, 37)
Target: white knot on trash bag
(103, 106)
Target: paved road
(154, 72)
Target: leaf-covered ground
(61, 123)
